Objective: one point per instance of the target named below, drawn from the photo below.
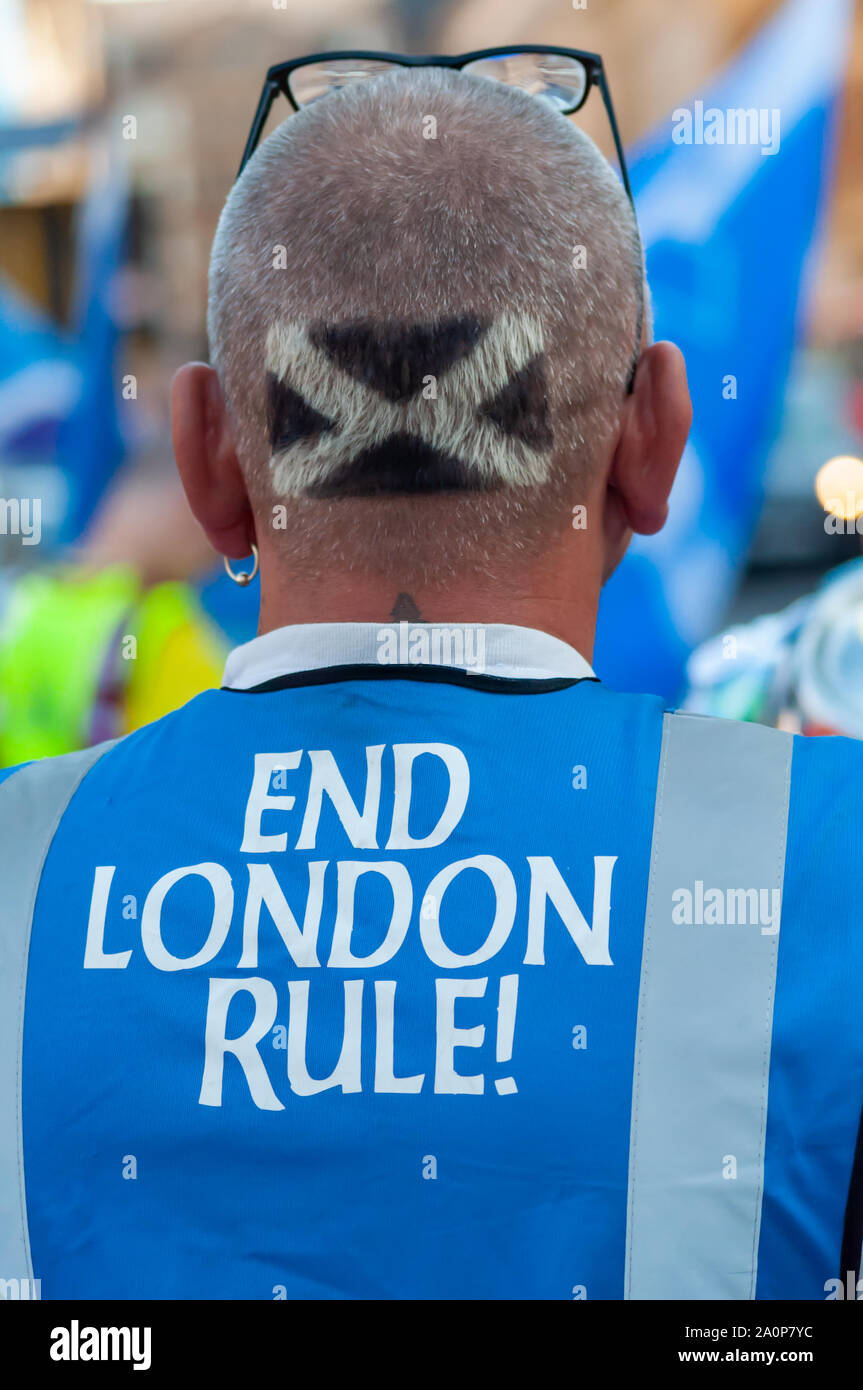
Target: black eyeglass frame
(276, 84)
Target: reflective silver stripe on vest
(32, 803)
(705, 1013)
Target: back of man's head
(425, 293)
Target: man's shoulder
(812, 756)
(822, 750)
(6, 772)
(26, 788)
(830, 766)
(38, 778)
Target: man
(416, 963)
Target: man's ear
(207, 460)
(655, 423)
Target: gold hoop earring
(244, 577)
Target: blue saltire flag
(728, 230)
(40, 381)
(90, 443)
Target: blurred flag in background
(40, 380)
(728, 230)
(90, 444)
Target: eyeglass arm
(269, 92)
(612, 121)
(624, 173)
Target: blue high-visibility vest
(411, 983)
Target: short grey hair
(361, 211)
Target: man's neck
(351, 598)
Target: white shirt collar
(491, 649)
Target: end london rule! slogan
(416, 902)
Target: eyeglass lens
(555, 78)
